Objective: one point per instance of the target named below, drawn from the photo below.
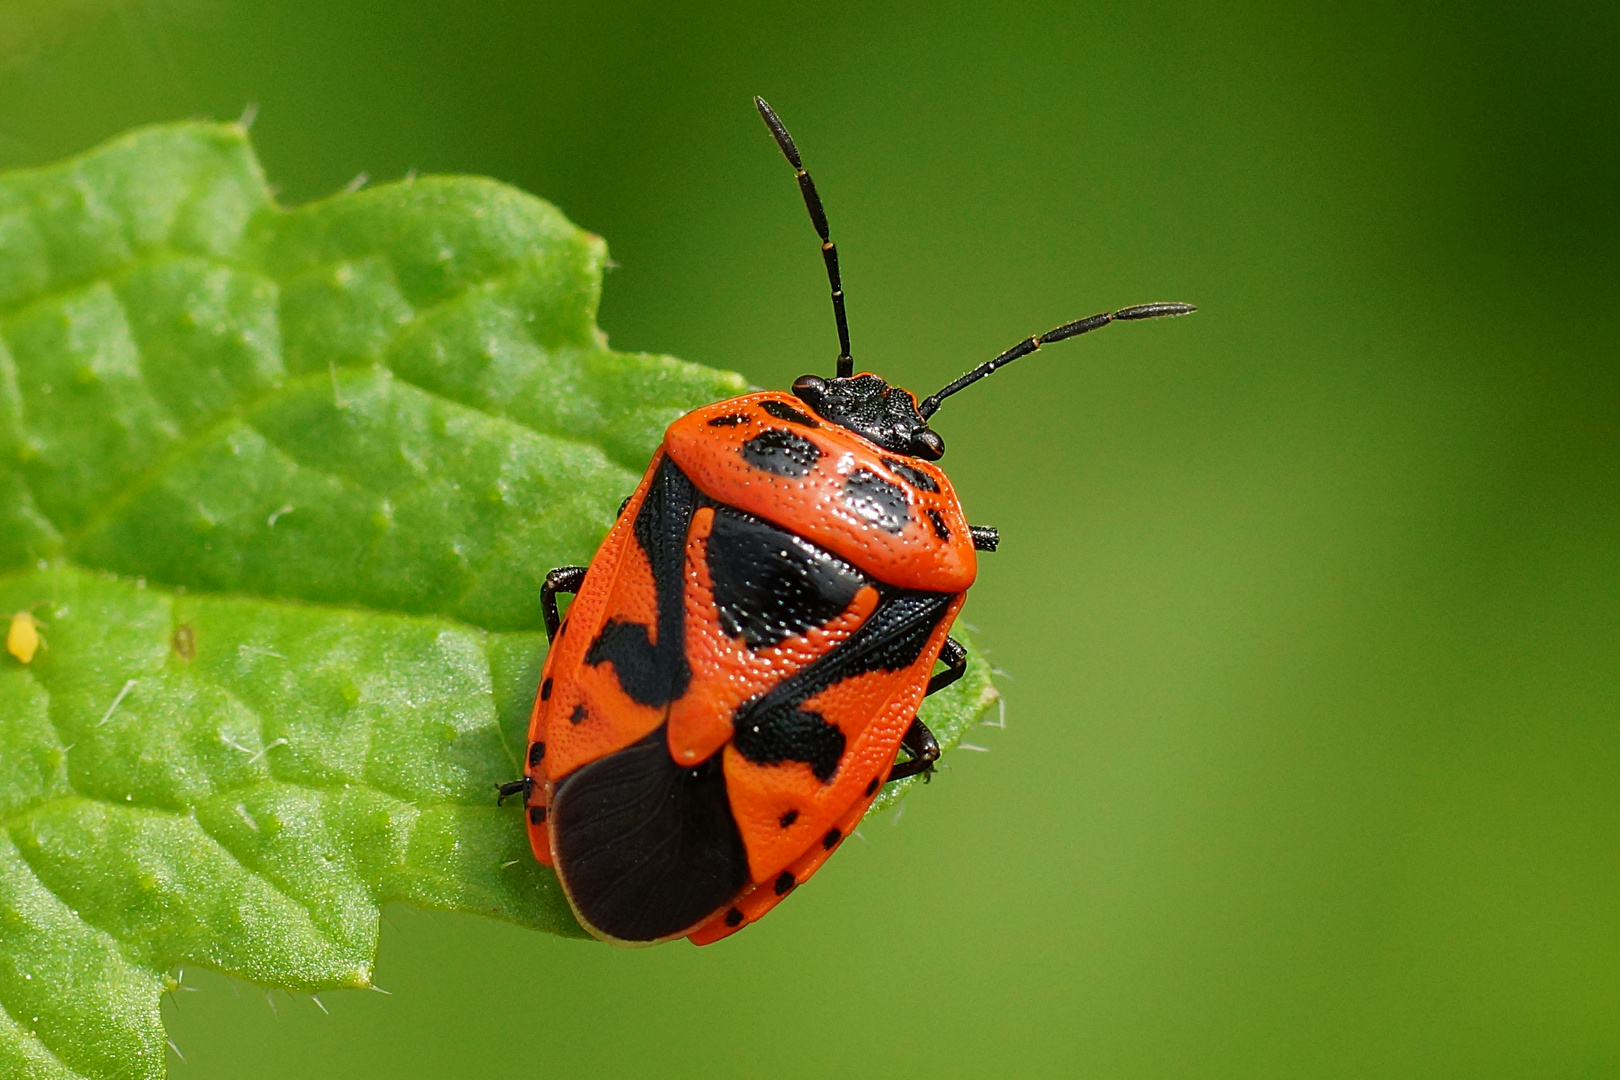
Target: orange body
(746, 652)
(771, 545)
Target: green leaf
(280, 488)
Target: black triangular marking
(770, 585)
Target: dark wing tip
(647, 849)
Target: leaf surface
(280, 487)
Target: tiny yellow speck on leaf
(22, 640)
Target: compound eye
(810, 388)
(927, 445)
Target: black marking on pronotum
(873, 499)
(646, 847)
(783, 411)
(831, 839)
(655, 674)
(784, 883)
(579, 715)
(769, 584)
(545, 689)
(911, 474)
(537, 753)
(938, 521)
(775, 727)
(788, 818)
(780, 451)
(537, 815)
(734, 917)
(730, 419)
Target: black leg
(954, 657)
(985, 537)
(918, 739)
(924, 752)
(564, 579)
(514, 787)
(818, 217)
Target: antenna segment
(930, 404)
(818, 217)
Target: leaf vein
(124, 942)
(9, 1012)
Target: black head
(888, 415)
(870, 407)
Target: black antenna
(818, 216)
(930, 404)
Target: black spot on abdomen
(783, 411)
(782, 453)
(769, 584)
(872, 498)
(646, 847)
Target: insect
(744, 657)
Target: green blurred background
(1309, 605)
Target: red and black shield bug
(745, 654)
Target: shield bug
(742, 663)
